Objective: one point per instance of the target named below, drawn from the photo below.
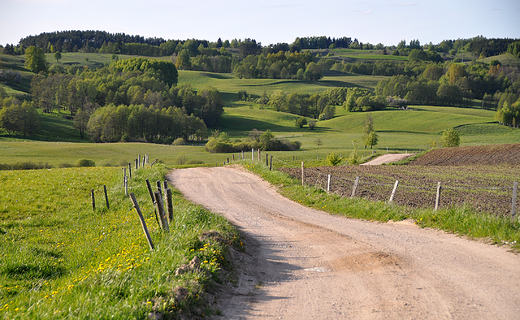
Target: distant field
(505, 59)
(229, 85)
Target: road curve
(302, 263)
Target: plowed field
(485, 188)
(473, 155)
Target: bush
(179, 142)
(450, 138)
(181, 159)
(333, 159)
(85, 163)
(301, 122)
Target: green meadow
(62, 259)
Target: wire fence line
(487, 199)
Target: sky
(266, 21)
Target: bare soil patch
(473, 155)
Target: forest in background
(137, 99)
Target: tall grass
(61, 259)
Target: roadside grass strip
(461, 220)
(59, 258)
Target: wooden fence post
(354, 188)
(139, 160)
(302, 172)
(153, 162)
(106, 196)
(266, 160)
(328, 183)
(253, 154)
(169, 204)
(143, 223)
(259, 155)
(93, 199)
(393, 191)
(150, 190)
(233, 157)
(160, 209)
(513, 202)
(271, 164)
(438, 197)
(158, 183)
(165, 184)
(129, 170)
(126, 186)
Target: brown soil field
(485, 188)
(472, 155)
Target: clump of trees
(18, 117)
(509, 114)
(280, 65)
(135, 99)
(221, 143)
(139, 123)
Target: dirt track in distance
(302, 263)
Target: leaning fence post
(153, 162)
(160, 209)
(393, 191)
(354, 188)
(169, 204)
(513, 202)
(328, 183)
(143, 223)
(149, 186)
(106, 196)
(302, 172)
(93, 199)
(438, 197)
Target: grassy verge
(460, 220)
(61, 259)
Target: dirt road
(302, 263)
(387, 158)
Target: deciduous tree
(35, 60)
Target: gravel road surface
(302, 263)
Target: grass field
(399, 130)
(61, 259)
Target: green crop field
(62, 259)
